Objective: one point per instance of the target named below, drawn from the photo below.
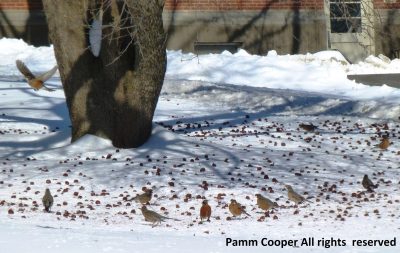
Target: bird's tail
(168, 218)
(48, 89)
(136, 199)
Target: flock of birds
(384, 144)
(235, 208)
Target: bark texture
(114, 95)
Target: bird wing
(270, 202)
(156, 215)
(300, 197)
(303, 198)
(24, 70)
(241, 209)
(46, 76)
(162, 218)
(371, 184)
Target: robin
(308, 127)
(205, 211)
(36, 82)
(47, 200)
(236, 208)
(367, 184)
(153, 217)
(265, 203)
(145, 197)
(294, 196)
(385, 143)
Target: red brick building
(355, 27)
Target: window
(345, 16)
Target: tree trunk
(114, 95)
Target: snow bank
(324, 72)
(38, 59)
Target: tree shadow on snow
(58, 125)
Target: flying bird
(36, 82)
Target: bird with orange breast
(205, 211)
(36, 82)
(385, 143)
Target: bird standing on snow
(145, 197)
(47, 200)
(265, 203)
(294, 196)
(205, 211)
(152, 216)
(385, 143)
(36, 82)
(367, 184)
(308, 127)
(236, 208)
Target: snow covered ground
(226, 126)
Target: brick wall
(197, 4)
(387, 4)
(261, 4)
(215, 4)
(242, 4)
(21, 4)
